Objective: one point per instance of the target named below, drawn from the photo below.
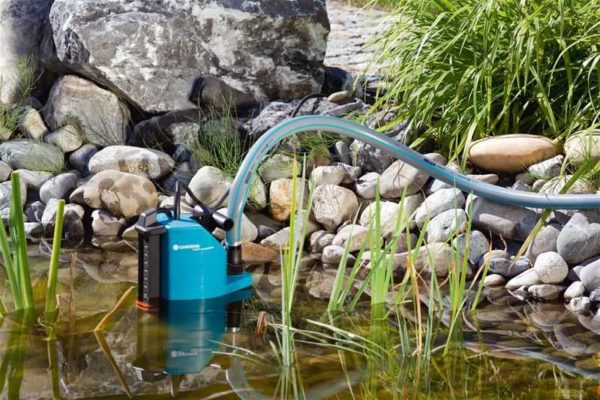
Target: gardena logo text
(193, 247)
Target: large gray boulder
(101, 117)
(160, 55)
(21, 32)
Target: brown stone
(511, 153)
(255, 254)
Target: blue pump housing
(194, 263)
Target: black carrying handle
(205, 215)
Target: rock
(6, 193)
(510, 222)
(491, 153)
(169, 202)
(152, 164)
(208, 41)
(595, 296)
(281, 195)
(333, 255)
(209, 185)
(551, 268)
(446, 225)
(590, 275)
(5, 171)
(579, 240)
(334, 205)
(544, 241)
(526, 278)
(546, 291)
(357, 235)
(582, 146)
(33, 231)
(342, 152)
(319, 240)
(405, 242)
(478, 245)
(104, 224)
(366, 185)
(352, 173)
(546, 169)
(327, 175)
(255, 254)
(257, 197)
(279, 166)
(277, 241)
(575, 289)
(98, 114)
(32, 124)
(369, 158)
(122, 194)
(400, 178)
(33, 180)
(249, 230)
(579, 305)
(21, 30)
(555, 185)
(341, 97)
(436, 257)
(76, 196)
(67, 139)
(320, 283)
(35, 211)
(494, 280)
(72, 220)
(81, 157)
(32, 155)
(59, 187)
(492, 179)
(182, 173)
(437, 203)
(388, 216)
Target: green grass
(471, 68)
(14, 247)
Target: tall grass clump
(465, 69)
(13, 247)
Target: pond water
(222, 349)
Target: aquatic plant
(467, 69)
(16, 259)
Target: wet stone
(546, 291)
(579, 305)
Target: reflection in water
(193, 332)
(509, 351)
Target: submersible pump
(181, 259)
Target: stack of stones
(75, 148)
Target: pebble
(551, 268)
(575, 289)
(209, 184)
(334, 205)
(357, 235)
(401, 178)
(32, 124)
(544, 241)
(446, 225)
(478, 245)
(67, 139)
(332, 254)
(583, 146)
(281, 197)
(319, 240)
(437, 203)
(547, 169)
(494, 280)
(327, 175)
(579, 239)
(59, 187)
(510, 222)
(579, 305)
(526, 278)
(546, 291)
(366, 185)
(590, 274)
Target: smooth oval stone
(583, 145)
(510, 153)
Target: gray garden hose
(241, 185)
